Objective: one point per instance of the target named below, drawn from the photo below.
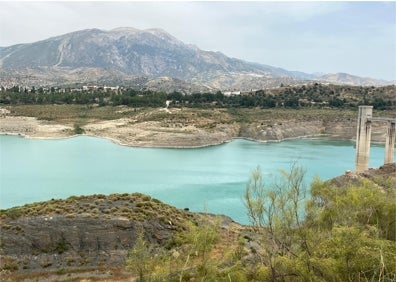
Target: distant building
(231, 93)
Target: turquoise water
(211, 178)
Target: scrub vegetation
(136, 207)
(73, 114)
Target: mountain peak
(124, 29)
(156, 31)
(151, 53)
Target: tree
(356, 205)
(139, 258)
(342, 233)
(199, 239)
(292, 102)
(358, 229)
(277, 213)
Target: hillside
(94, 237)
(122, 55)
(79, 234)
(73, 230)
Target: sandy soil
(33, 128)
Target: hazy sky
(353, 37)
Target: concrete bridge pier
(390, 142)
(363, 138)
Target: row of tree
(293, 97)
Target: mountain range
(143, 58)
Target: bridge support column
(363, 138)
(390, 142)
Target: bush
(78, 129)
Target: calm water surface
(211, 178)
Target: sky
(327, 37)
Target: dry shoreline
(32, 128)
(36, 129)
(181, 133)
(117, 142)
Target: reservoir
(208, 179)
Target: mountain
(123, 54)
(345, 78)
(151, 52)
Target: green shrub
(78, 130)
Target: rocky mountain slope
(151, 52)
(123, 54)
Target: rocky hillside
(120, 55)
(84, 231)
(89, 236)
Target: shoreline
(120, 143)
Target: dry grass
(79, 113)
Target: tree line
(311, 96)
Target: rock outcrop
(384, 176)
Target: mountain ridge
(152, 53)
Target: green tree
(198, 241)
(342, 233)
(356, 254)
(364, 204)
(357, 228)
(140, 260)
(277, 213)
